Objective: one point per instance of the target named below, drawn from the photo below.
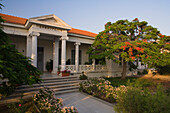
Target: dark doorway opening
(40, 58)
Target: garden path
(86, 103)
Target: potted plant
(58, 72)
(49, 65)
(65, 73)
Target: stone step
(47, 84)
(58, 84)
(58, 80)
(65, 88)
(52, 78)
(66, 91)
(53, 86)
(56, 90)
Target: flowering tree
(129, 41)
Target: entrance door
(40, 58)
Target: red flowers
(144, 40)
(124, 47)
(138, 43)
(130, 49)
(128, 43)
(19, 105)
(162, 36)
(132, 58)
(140, 49)
(136, 19)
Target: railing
(86, 68)
(101, 68)
(71, 68)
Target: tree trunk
(124, 70)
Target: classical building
(46, 38)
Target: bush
(135, 100)
(47, 103)
(100, 88)
(145, 72)
(163, 69)
(143, 83)
(83, 76)
(117, 81)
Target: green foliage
(117, 81)
(83, 76)
(49, 65)
(142, 83)
(145, 72)
(136, 100)
(163, 69)
(131, 40)
(14, 66)
(18, 107)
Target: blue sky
(91, 15)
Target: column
(77, 56)
(63, 52)
(29, 46)
(94, 64)
(34, 48)
(55, 55)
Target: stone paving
(86, 103)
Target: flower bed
(46, 102)
(133, 98)
(100, 88)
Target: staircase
(58, 84)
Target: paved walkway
(86, 103)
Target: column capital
(77, 43)
(64, 38)
(34, 34)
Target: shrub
(163, 69)
(18, 107)
(99, 87)
(135, 100)
(47, 103)
(83, 76)
(143, 83)
(117, 81)
(145, 72)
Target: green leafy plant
(49, 65)
(83, 76)
(135, 100)
(142, 83)
(145, 72)
(18, 107)
(14, 67)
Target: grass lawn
(117, 81)
(148, 81)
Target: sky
(92, 15)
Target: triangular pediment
(50, 20)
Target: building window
(80, 55)
(73, 57)
(59, 56)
